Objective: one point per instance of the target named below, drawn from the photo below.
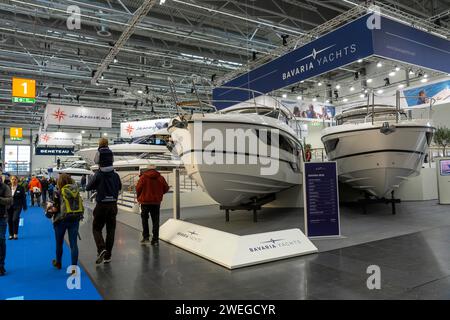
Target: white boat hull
(375, 162)
(232, 183)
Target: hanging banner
(142, 128)
(59, 139)
(321, 197)
(63, 115)
(41, 151)
(421, 95)
(340, 47)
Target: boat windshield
(267, 112)
(79, 165)
(151, 140)
(157, 156)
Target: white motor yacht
(76, 170)
(155, 143)
(240, 155)
(377, 147)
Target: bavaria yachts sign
(233, 251)
(74, 116)
(320, 58)
(340, 47)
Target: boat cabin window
(151, 140)
(330, 145)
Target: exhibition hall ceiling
(185, 40)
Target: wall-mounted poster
(310, 109)
(421, 95)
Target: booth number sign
(23, 90)
(15, 134)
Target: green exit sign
(23, 100)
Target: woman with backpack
(66, 213)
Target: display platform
(233, 251)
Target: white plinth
(233, 251)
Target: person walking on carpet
(19, 203)
(66, 212)
(5, 201)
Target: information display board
(320, 185)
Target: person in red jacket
(150, 190)
(35, 190)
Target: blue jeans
(60, 230)
(2, 241)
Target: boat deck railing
(373, 111)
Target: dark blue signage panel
(321, 199)
(340, 47)
(403, 43)
(40, 151)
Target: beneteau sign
(356, 40)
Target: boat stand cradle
(368, 200)
(255, 206)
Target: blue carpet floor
(30, 274)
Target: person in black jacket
(5, 202)
(19, 203)
(44, 184)
(107, 185)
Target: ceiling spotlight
(327, 101)
(115, 60)
(105, 134)
(361, 95)
(360, 60)
(284, 95)
(345, 100)
(400, 86)
(380, 91)
(397, 68)
(424, 80)
(379, 64)
(302, 81)
(96, 83)
(369, 80)
(314, 99)
(411, 72)
(102, 77)
(319, 84)
(140, 91)
(338, 87)
(83, 132)
(365, 91)
(425, 75)
(352, 88)
(161, 2)
(392, 74)
(299, 98)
